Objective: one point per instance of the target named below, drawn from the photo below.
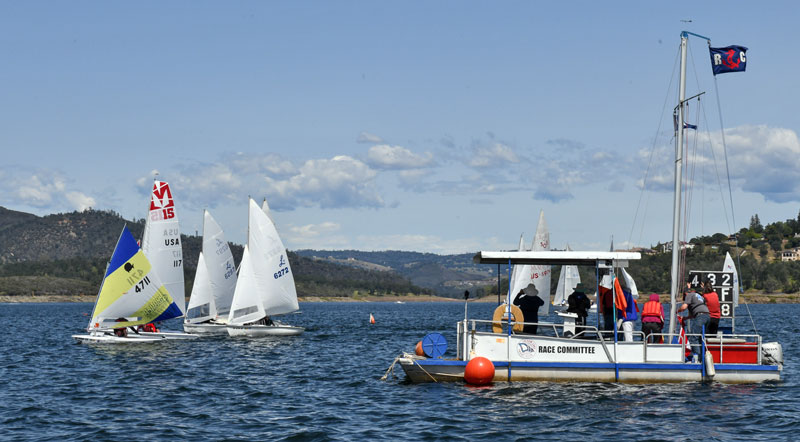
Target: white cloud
(341, 181)
(496, 155)
(368, 138)
(762, 160)
(43, 189)
(314, 230)
(396, 157)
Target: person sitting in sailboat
(579, 303)
(266, 320)
(528, 301)
(121, 332)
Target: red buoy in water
(479, 371)
(418, 350)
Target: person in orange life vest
(712, 302)
(606, 306)
(652, 318)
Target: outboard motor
(772, 354)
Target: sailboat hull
(110, 338)
(169, 335)
(257, 331)
(206, 329)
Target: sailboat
(161, 243)
(266, 285)
(538, 275)
(130, 295)
(214, 283)
(592, 354)
(568, 279)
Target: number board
(722, 282)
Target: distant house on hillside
(667, 247)
(791, 255)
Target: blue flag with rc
(728, 59)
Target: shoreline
(747, 298)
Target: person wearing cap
(579, 303)
(528, 301)
(698, 315)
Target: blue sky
(429, 126)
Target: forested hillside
(66, 254)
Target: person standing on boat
(698, 315)
(528, 301)
(579, 303)
(652, 317)
(626, 321)
(712, 302)
(606, 305)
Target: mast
(676, 209)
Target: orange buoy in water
(418, 350)
(371, 319)
(479, 371)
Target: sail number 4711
(142, 284)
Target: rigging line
(728, 172)
(722, 195)
(652, 150)
(716, 172)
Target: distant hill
(75, 247)
(66, 253)
(448, 275)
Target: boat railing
(730, 342)
(485, 326)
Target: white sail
(514, 271)
(246, 305)
(161, 242)
(271, 263)
(266, 284)
(201, 305)
(219, 261)
(568, 279)
(729, 267)
(540, 274)
(265, 209)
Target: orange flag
(619, 298)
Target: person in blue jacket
(626, 322)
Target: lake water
(325, 385)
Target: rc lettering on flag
(728, 59)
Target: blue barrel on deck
(434, 345)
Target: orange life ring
(499, 316)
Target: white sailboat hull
(257, 331)
(206, 329)
(111, 338)
(168, 335)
